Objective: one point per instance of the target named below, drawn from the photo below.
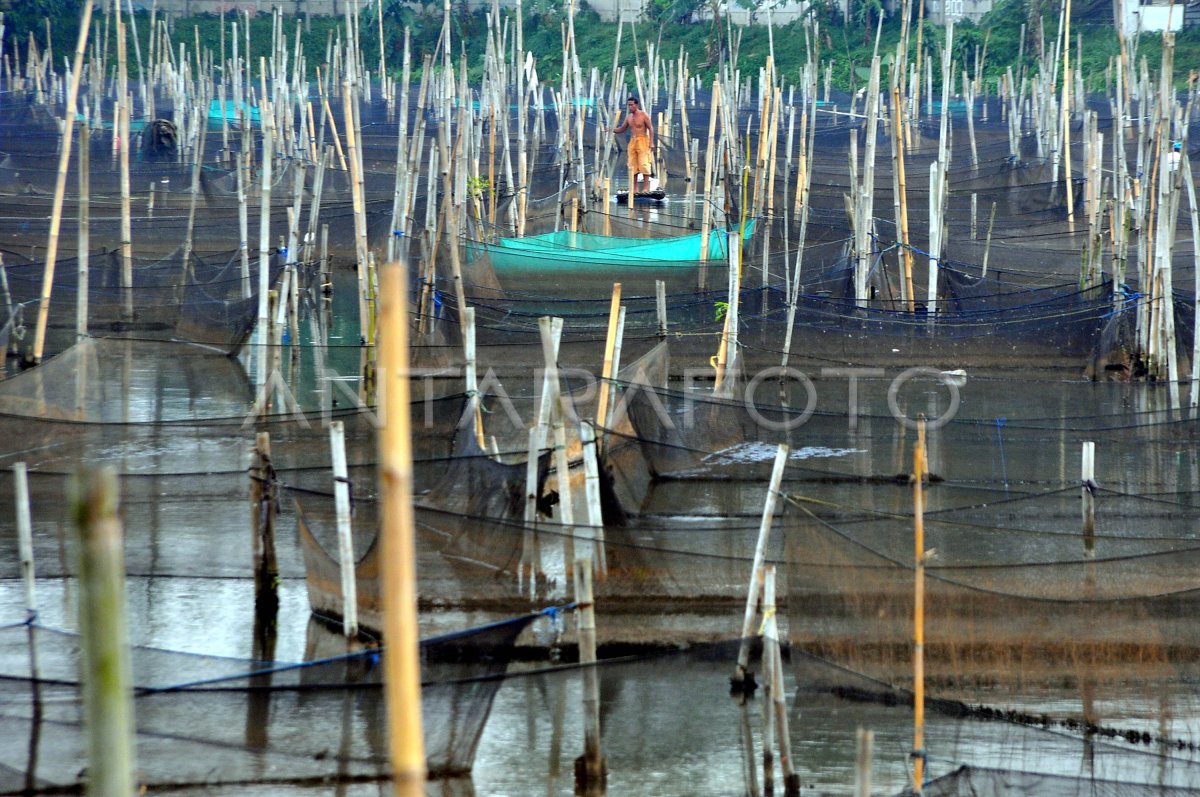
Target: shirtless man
(641, 143)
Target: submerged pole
(590, 768)
(263, 501)
(25, 537)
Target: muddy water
(1008, 496)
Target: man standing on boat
(641, 143)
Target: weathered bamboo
(1189, 181)
(776, 692)
(360, 220)
(741, 676)
(590, 768)
(345, 533)
(595, 518)
(263, 507)
(123, 160)
(709, 164)
(862, 766)
(1087, 492)
(606, 371)
(25, 538)
(81, 253)
(1065, 138)
(60, 186)
(402, 669)
(106, 671)
(906, 278)
(660, 301)
(551, 332)
(264, 222)
(470, 373)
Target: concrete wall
(1150, 18)
(942, 11)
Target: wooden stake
(402, 668)
(1087, 474)
(106, 670)
(660, 300)
(25, 537)
(591, 470)
(263, 507)
(81, 295)
(742, 679)
(606, 373)
(345, 533)
(862, 767)
(590, 768)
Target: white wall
(1150, 18)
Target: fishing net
(212, 721)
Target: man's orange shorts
(639, 156)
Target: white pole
(760, 555)
(25, 536)
(341, 497)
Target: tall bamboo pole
(60, 185)
(918, 754)
(81, 294)
(1065, 139)
(902, 195)
(402, 667)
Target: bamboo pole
(862, 766)
(402, 669)
(660, 301)
(709, 164)
(263, 507)
(918, 753)
(606, 374)
(81, 291)
(1087, 476)
(123, 161)
(345, 533)
(60, 186)
(768, 667)
(591, 468)
(264, 222)
(902, 194)
(1190, 183)
(470, 374)
(743, 680)
(106, 670)
(25, 539)
(590, 768)
(1065, 139)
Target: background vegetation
(694, 27)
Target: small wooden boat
(566, 251)
(655, 197)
